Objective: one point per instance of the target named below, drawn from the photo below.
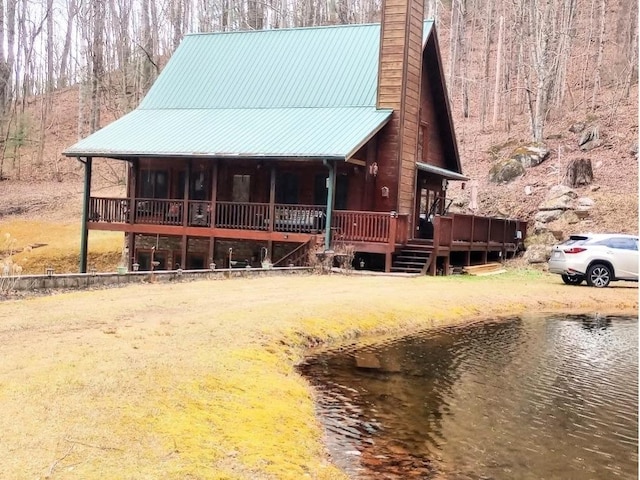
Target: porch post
(214, 194)
(185, 215)
(214, 209)
(84, 239)
(132, 187)
(272, 200)
(134, 170)
(330, 199)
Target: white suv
(598, 258)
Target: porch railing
(347, 225)
(242, 216)
(109, 210)
(361, 226)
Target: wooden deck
(371, 232)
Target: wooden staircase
(414, 257)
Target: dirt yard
(196, 380)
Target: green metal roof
(298, 67)
(303, 92)
(442, 172)
(266, 133)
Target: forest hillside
(548, 73)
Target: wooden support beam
(84, 238)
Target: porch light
(373, 169)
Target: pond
(553, 397)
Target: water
(523, 398)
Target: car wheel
(572, 279)
(599, 275)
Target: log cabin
(269, 147)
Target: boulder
(560, 191)
(559, 203)
(577, 127)
(585, 203)
(530, 155)
(546, 216)
(590, 145)
(505, 171)
(537, 254)
(546, 238)
(570, 217)
(589, 136)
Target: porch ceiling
(442, 172)
(335, 133)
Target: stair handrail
(297, 254)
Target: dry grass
(197, 380)
(41, 244)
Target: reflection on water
(524, 398)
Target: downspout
(84, 239)
(330, 198)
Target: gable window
(154, 184)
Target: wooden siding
(399, 78)
(435, 152)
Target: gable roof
(302, 92)
(287, 93)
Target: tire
(572, 279)
(599, 275)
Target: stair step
(406, 270)
(417, 248)
(409, 264)
(412, 258)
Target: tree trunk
(498, 82)
(63, 76)
(579, 173)
(596, 72)
(97, 64)
(486, 54)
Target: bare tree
(597, 76)
(63, 75)
(97, 63)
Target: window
(154, 184)
(340, 193)
(198, 190)
(287, 188)
(241, 189)
(622, 243)
(198, 186)
(342, 188)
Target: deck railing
(109, 210)
(347, 225)
(242, 216)
(473, 230)
(357, 226)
